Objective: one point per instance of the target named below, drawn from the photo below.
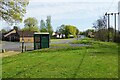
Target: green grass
(56, 40)
(100, 60)
(83, 41)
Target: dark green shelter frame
(41, 40)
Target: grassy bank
(100, 60)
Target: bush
(117, 39)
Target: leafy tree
(42, 26)
(16, 28)
(61, 29)
(3, 31)
(101, 29)
(111, 33)
(72, 30)
(101, 23)
(31, 24)
(82, 33)
(77, 31)
(12, 11)
(48, 25)
(86, 33)
(68, 30)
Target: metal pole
(115, 27)
(22, 43)
(108, 26)
(22, 46)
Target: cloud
(76, 13)
(66, 10)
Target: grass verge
(100, 60)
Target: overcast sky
(80, 13)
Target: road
(16, 46)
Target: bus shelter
(41, 40)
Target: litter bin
(41, 40)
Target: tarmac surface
(17, 46)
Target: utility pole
(115, 14)
(115, 28)
(108, 27)
(108, 14)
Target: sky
(80, 13)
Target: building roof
(20, 33)
(26, 33)
(9, 32)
